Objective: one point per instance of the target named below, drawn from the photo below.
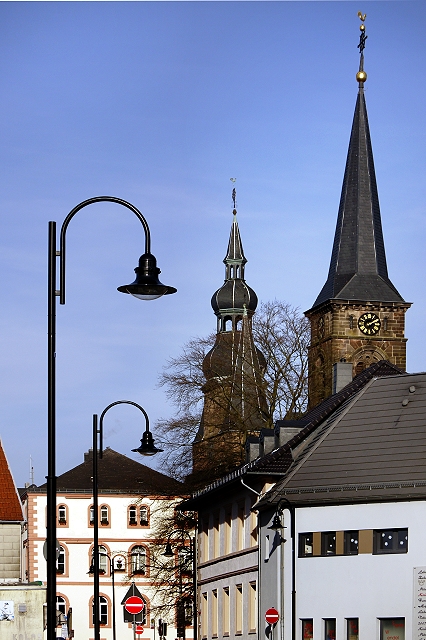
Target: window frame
(62, 521)
(349, 634)
(302, 547)
(325, 538)
(138, 571)
(377, 536)
(347, 544)
(382, 623)
(104, 522)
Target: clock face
(369, 324)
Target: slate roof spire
(358, 269)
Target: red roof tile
(10, 505)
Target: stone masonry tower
(234, 398)
(359, 316)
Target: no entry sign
(272, 616)
(139, 630)
(134, 605)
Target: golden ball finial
(361, 76)
(362, 27)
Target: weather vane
(234, 194)
(361, 76)
(362, 37)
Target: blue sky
(160, 104)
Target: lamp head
(147, 447)
(276, 523)
(169, 551)
(147, 285)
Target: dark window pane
(328, 543)
(306, 545)
(351, 543)
(352, 629)
(330, 629)
(391, 541)
(392, 628)
(307, 629)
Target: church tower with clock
(358, 316)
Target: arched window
(60, 562)
(61, 605)
(103, 560)
(62, 514)
(104, 514)
(138, 555)
(119, 563)
(133, 515)
(91, 515)
(143, 516)
(103, 611)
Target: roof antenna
(361, 76)
(234, 195)
(31, 471)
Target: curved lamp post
(112, 574)
(168, 553)
(147, 448)
(146, 286)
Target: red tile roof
(10, 505)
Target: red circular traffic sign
(272, 616)
(134, 605)
(139, 630)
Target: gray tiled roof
(279, 461)
(358, 268)
(117, 473)
(372, 448)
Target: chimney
(342, 375)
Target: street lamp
(147, 448)
(146, 287)
(112, 572)
(168, 553)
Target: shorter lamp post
(147, 448)
(112, 572)
(168, 553)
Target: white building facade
(128, 545)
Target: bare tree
(281, 333)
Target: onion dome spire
(228, 301)
(358, 269)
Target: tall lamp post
(168, 553)
(147, 448)
(146, 286)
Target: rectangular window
(216, 539)
(328, 544)
(204, 546)
(240, 527)
(392, 628)
(252, 612)
(238, 609)
(204, 621)
(228, 530)
(253, 529)
(226, 612)
(352, 629)
(306, 545)
(307, 629)
(215, 619)
(351, 543)
(330, 628)
(390, 541)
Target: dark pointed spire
(358, 269)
